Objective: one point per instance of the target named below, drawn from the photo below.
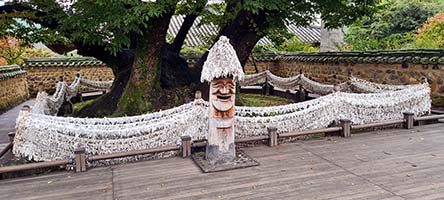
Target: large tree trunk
(107, 104)
(142, 93)
(175, 71)
(179, 40)
(188, 22)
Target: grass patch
(78, 106)
(318, 136)
(257, 100)
(438, 101)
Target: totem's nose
(224, 90)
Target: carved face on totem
(222, 96)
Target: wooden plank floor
(390, 164)
(7, 120)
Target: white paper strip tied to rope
(50, 105)
(354, 85)
(47, 141)
(98, 85)
(254, 79)
(314, 86)
(42, 137)
(148, 118)
(290, 83)
(359, 108)
(304, 119)
(277, 110)
(363, 86)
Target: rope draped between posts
(353, 85)
(44, 137)
(50, 104)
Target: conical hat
(222, 62)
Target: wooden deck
(391, 164)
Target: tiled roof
(420, 56)
(63, 62)
(306, 34)
(199, 34)
(10, 71)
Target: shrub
(392, 27)
(10, 50)
(431, 34)
(13, 52)
(186, 50)
(293, 44)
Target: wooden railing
(80, 158)
(8, 147)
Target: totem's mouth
(223, 97)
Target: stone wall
(49, 70)
(13, 86)
(398, 67)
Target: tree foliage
(431, 34)
(130, 35)
(392, 26)
(14, 51)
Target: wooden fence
(80, 157)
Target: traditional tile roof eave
(198, 32)
(418, 56)
(63, 62)
(11, 71)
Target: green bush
(393, 26)
(186, 50)
(431, 35)
(12, 51)
(293, 44)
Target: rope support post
(408, 120)
(80, 159)
(273, 136)
(11, 136)
(346, 126)
(26, 108)
(267, 88)
(186, 146)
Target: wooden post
(80, 159)
(266, 88)
(408, 120)
(346, 126)
(273, 136)
(186, 146)
(40, 87)
(11, 136)
(198, 95)
(26, 108)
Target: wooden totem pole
(222, 69)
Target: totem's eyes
(220, 85)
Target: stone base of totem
(242, 160)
